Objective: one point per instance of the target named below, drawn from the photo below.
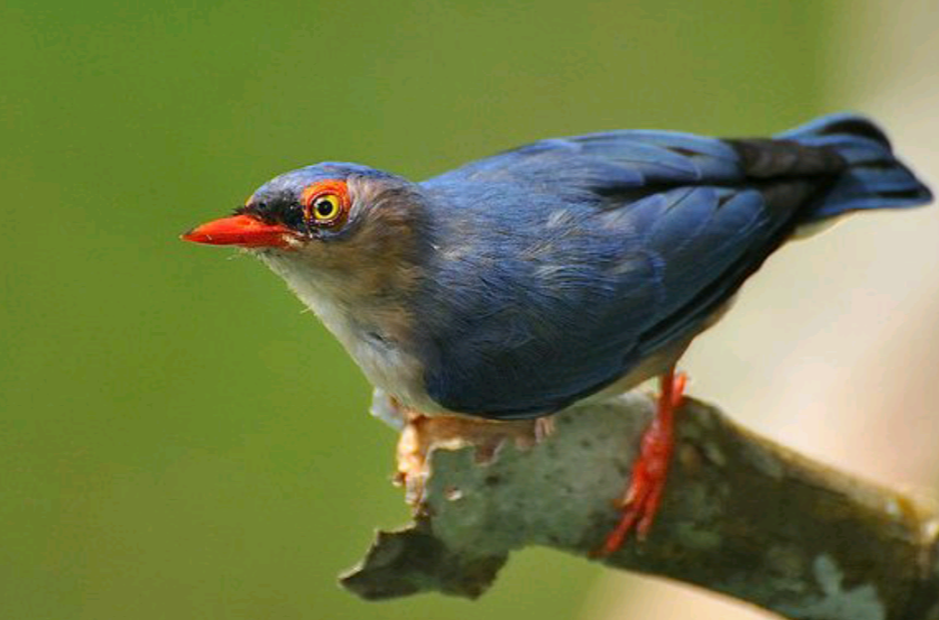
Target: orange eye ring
(325, 204)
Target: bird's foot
(641, 501)
(423, 434)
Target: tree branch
(741, 515)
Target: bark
(741, 516)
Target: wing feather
(621, 243)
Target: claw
(641, 500)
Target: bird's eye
(325, 204)
(326, 208)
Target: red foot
(644, 494)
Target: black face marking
(280, 210)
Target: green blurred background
(179, 440)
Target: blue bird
(518, 285)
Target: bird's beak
(241, 230)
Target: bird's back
(560, 266)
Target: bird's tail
(874, 178)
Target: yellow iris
(326, 208)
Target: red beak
(241, 230)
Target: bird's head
(343, 231)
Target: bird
(560, 272)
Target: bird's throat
(371, 328)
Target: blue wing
(606, 162)
(562, 265)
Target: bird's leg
(423, 434)
(642, 498)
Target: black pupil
(324, 208)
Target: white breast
(384, 363)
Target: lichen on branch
(741, 516)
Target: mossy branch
(741, 515)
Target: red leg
(644, 494)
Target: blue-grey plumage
(575, 260)
(520, 284)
